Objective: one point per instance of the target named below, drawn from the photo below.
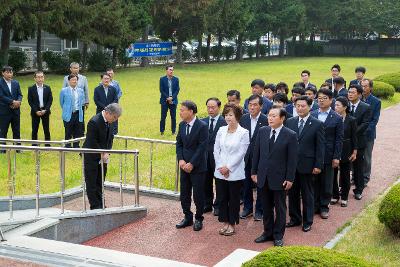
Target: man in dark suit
(310, 161)
(333, 127)
(311, 93)
(335, 72)
(360, 72)
(191, 151)
(233, 97)
(305, 77)
(362, 112)
(214, 121)
(296, 92)
(169, 89)
(273, 169)
(99, 135)
(339, 90)
(10, 102)
(40, 99)
(104, 94)
(252, 122)
(375, 105)
(257, 88)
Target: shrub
(123, 58)
(17, 59)
(263, 50)
(389, 210)
(304, 256)
(390, 78)
(216, 52)
(383, 90)
(74, 55)
(186, 55)
(99, 61)
(56, 62)
(250, 51)
(229, 51)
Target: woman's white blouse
(229, 151)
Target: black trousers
(172, 113)
(248, 199)
(358, 169)
(45, 123)
(229, 200)
(304, 184)
(323, 188)
(343, 181)
(208, 184)
(274, 200)
(195, 182)
(94, 182)
(73, 129)
(5, 121)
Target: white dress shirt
(8, 84)
(277, 131)
(304, 119)
(215, 121)
(253, 123)
(40, 94)
(322, 116)
(229, 151)
(355, 106)
(191, 124)
(74, 91)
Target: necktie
(211, 129)
(272, 140)
(301, 126)
(352, 109)
(187, 128)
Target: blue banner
(149, 49)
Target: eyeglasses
(323, 98)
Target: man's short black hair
(282, 85)
(326, 92)
(280, 97)
(258, 82)
(168, 66)
(299, 84)
(7, 68)
(270, 86)
(104, 74)
(305, 98)
(215, 99)
(339, 80)
(190, 105)
(299, 90)
(282, 111)
(312, 89)
(256, 97)
(233, 92)
(360, 69)
(72, 76)
(358, 88)
(306, 71)
(336, 66)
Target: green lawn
(369, 239)
(141, 110)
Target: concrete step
(237, 258)
(56, 253)
(31, 228)
(26, 216)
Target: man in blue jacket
(10, 102)
(375, 106)
(169, 90)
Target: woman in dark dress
(349, 153)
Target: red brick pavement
(157, 236)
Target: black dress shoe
(358, 196)
(245, 213)
(292, 224)
(278, 243)
(258, 216)
(306, 228)
(207, 209)
(198, 225)
(216, 212)
(263, 238)
(184, 223)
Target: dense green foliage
(389, 210)
(383, 90)
(390, 78)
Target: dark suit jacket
(311, 143)
(245, 122)
(211, 137)
(333, 127)
(100, 98)
(349, 137)
(363, 117)
(375, 105)
(193, 148)
(355, 82)
(329, 80)
(342, 92)
(96, 136)
(267, 105)
(33, 99)
(164, 90)
(314, 106)
(275, 166)
(6, 98)
(310, 85)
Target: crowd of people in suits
(307, 150)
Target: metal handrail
(62, 151)
(39, 142)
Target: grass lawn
(369, 239)
(141, 110)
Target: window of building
(71, 44)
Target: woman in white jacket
(229, 150)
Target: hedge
(390, 78)
(383, 90)
(304, 256)
(17, 59)
(99, 61)
(389, 210)
(56, 62)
